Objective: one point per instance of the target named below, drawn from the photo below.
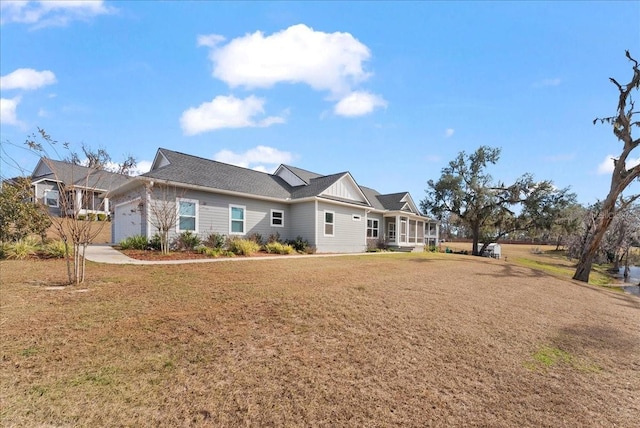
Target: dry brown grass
(102, 230)
(382, 340)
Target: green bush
(136, 242)
(102, 217)
(4, 246)
(22, 249)
(274, 237)
(186, 241)
(56, 249)
(92, 216)
(243, 247)
(215, 240)
(155, 243)
(255, 237)
(300, 244)
(278, 248)
(82, 217)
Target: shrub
(102, 217)
(136, 242)
(274, 237)
(299, 244)
(22, 249)
(255, 237)
(155, 243)
(56, 249)
(186, 241)
(91, 216)
(4, 246)
(214, 252)
(215, 240)
(82, 217)
(243, 247)
(278, 248)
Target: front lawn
(377, 340)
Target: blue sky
(388, 91)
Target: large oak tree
(492, 210)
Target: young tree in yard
(162, 211)
(623, 123)
(18, 217)
(74, 231)
(492, 210)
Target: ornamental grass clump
(56, 249)
(278, 248)
(22, 249)
(243, 247)
(136, 242)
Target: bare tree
(162, 210)
(77, 193)
(622, 176)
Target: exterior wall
(39, 191)
(349, 236)
(302, 221)
(213, 214)
(129, 215)
(371, 241)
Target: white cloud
(8, 108)
(547, 82)
(256, 156)
(606, 166)
(448, 133)
(226, 112)
(358, 104)
(142, 167)
(27, 79)
(324, 61)
(210, 40)
(51, 13)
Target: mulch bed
(176, 255)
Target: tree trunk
(583, 268)
(476, 234)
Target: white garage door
(127, 221)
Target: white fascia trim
(45, 179)
(128, 202)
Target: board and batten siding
(349, 235)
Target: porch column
(77, 206)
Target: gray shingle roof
(193, 170)
(81, 176)
(303, 174)
(390, 201)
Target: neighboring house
(84, 188)
(332, 212)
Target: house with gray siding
(67, 189)
(332, 212)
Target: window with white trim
(187, 215)
(277, 218)
(373, 226)
(328, 223)
(237, 219)
(52, 198)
